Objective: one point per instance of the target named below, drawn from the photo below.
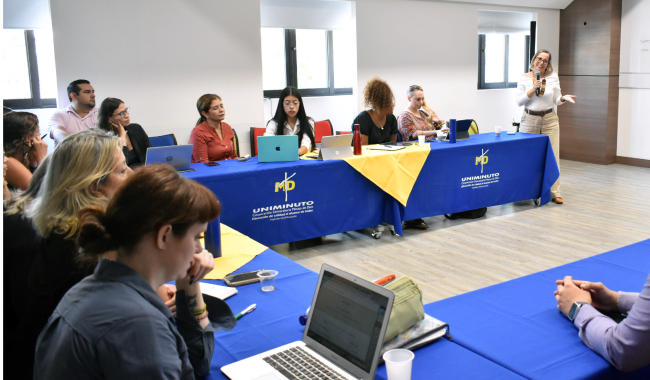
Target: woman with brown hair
(114, 116)
(539, 97)
(378, 124)
(112, 324)
(23, 147)
(212, 138)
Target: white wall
(633, 139)
(26, 14)
(436, 47)
(160, 56)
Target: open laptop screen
(347, 319)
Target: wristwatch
(575, 308)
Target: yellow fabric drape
(394, 172)
(237, 250)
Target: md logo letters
(482, 159)
(285, 185)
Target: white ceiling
(551, 4)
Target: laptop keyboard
(296, 363)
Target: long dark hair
(109, 105)
(17, 126)
(280, 117)
(203, 105)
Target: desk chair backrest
(322, 129)
(164, 140)
(254, 133)
(473, 129)
(236, 143)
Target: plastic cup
(267, 279)
(441, 136)
(497, 131)
(399, 363)
(421, 140)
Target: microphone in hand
(537, 90)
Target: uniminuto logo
(482, 159)
(285, 185)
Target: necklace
(378, 124)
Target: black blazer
(140, 142)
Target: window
(30, 76)
(307, 59)
(502, 59)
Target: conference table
(511, 330)
(327, 197)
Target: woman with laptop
(289, 119)
(418, 119)
(113, 116)
(212, 139)
(378, 124)
(113, 324)
(539, 92)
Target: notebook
(277, 148)
(221, 292)
(343, 336)
(178, 156)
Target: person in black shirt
(378, 124)
(113, 116)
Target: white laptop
(178, 156)
(343, 337)
(336, 147)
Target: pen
(246, 311)
(42, 137)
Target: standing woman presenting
(539, 97)
(212, 138)
(289, 119)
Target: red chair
(322, 129)
(254, 133)
(343, 133)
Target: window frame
(35, 86)
(290, 54)
(481, 65)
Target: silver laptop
(343, 337)
(178, 156)
(336, 147)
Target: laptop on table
(335, 147)
(277, 148)
(343, 337)
(178, 156)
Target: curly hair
(377, 94)
(17, 127)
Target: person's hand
(569, 98)
(537, 84)
(120, 129)
(568, 293)
(171, 301)
(601, 297)
(37, 152)
(202, 264)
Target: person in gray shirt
(113, 325)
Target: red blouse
(209, 147)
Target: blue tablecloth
(517, 325)
(275, 322)
(323, 198)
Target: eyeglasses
(542, 60)
(123, 113)
(294, 104)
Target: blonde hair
(77, 162)
(549, 68)
(20, 200)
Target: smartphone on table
(212, 163)
(242, 278)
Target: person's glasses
(123, 113)
(542, 60)
(289, 104)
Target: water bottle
(452, 131)
(357, 140)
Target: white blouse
(306, 142)
(552, 94)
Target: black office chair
(236, 143)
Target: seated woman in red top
(213, 139)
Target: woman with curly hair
(378, 124)
(23, 147)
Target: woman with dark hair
(23, 147)
(539, 97)
(212, 138)
(113, 116)
(378, 124)
(289, 119)
(112, 324)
